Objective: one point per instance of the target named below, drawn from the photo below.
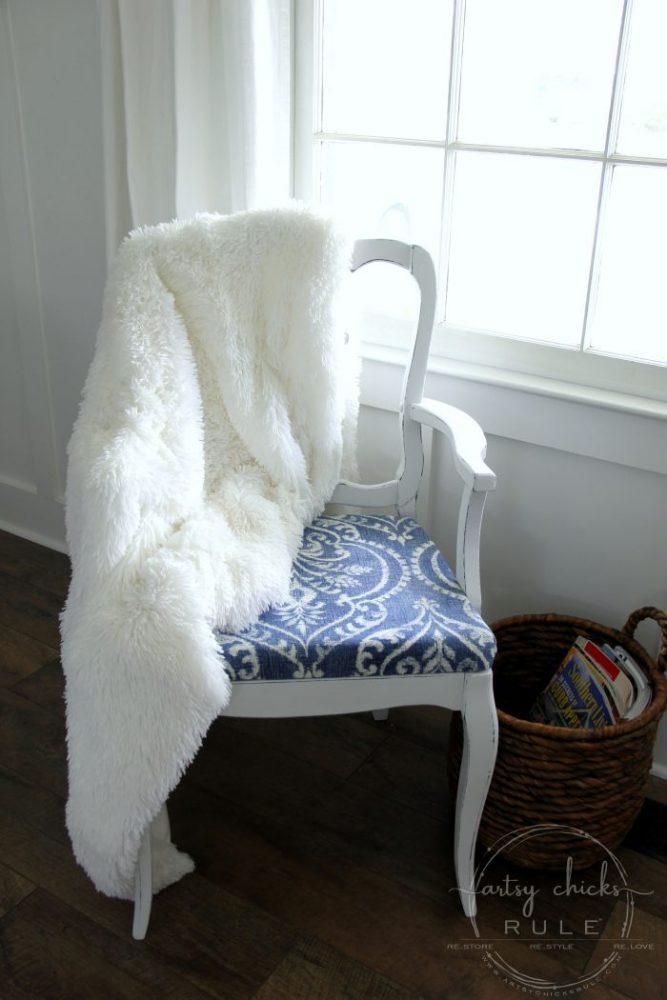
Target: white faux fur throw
(218, 409)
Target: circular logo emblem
(571, 919)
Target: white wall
(52, 256)
(578, 523)
(563, 532)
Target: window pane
(382, 190)
(522, 234)
(538, 74)
(386, 67)
(384, 305)
(630, 316)
(643, 130)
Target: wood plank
(220, 944)
(387, 837)
(372, 919)
(36, 807)
(546, 966)
(640, 969)
(234, 765)
(13, 888)
(312, 971)
(572, 912)
(30, 609)
(325, 891)
(646, 875)
(300, 804)
(45, 687)
(137, 960)
(241, 860)
(32, 742)
(358, 912)
(324, 853)
(565, 917)
(35, 564)
(50, 951)
(21, 656)
(409, 773)
(427, 725)
(336, 743)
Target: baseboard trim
(32, 516)
(33, 536)
(659, 771)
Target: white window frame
(571, 373)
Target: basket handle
(658, 616)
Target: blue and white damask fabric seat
(371, 596)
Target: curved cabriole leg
(143, 874)
(469, 530)
(480, 745)
(143, 888)
(160, 826)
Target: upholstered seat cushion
(371, 596)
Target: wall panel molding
(24, 272)
(634, 440)
(18, 484)
(38, 518)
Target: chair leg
(480, 745)
(143, 888)
(381, 714)
(160, 826)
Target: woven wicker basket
(591, 780)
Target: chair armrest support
(469, 449)
(466, 438)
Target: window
(524, 144)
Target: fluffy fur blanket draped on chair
(218, 414)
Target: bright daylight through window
(524, 144)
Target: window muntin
(519, 256)
(385, 189)
(631, 295)
(538, 74)
(364, 90)
(407, 176)
(643, 119)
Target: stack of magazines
(593, 686)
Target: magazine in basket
(593, 686)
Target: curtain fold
(197, 108)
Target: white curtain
(196, 108)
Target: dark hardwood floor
(323, 850)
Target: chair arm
(466, 438)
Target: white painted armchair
(376, 618)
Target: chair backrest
(401, 491)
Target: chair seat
(371, 596)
